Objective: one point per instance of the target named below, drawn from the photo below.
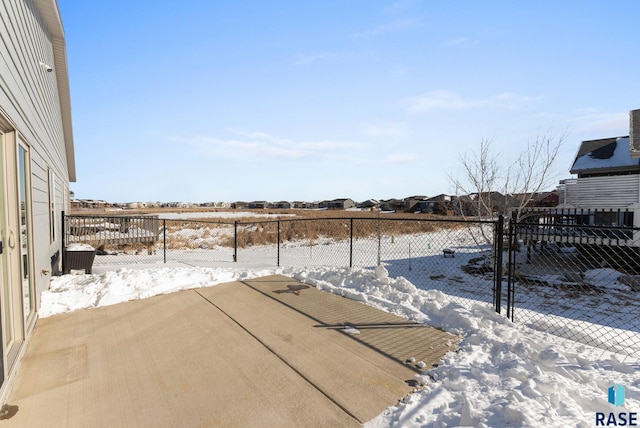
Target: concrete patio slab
(265, 352)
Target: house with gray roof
(338, 204)
(606, 191)
(440, 204)
(608, 175)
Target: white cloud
(387, 130)
(609, 124)
(590, 123)
(262, 145)
(401, 158)
(449, 100)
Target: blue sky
(286, 100)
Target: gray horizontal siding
(28, 94)
(29, 99)
(610, 192)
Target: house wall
(29, 100)
(603, 192)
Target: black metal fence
(120, 231)
(547, 270)
(428, 253)
(577, 278)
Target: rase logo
(615, 396)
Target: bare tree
(489, 186)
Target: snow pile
(79, 247)
(502, 375)
(73, 292)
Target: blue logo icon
(616, 395)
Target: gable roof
(608, 154)
(439, 198)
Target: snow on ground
(503, 374)
(73, 292)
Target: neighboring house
(392, 205)
(486, 204)
(258, 205)
(282, 205)
(369, 204)
(606, 191)
(545, 199)
(607, 176)
(541, 199)
(440, 205)
(36, 165)
(607, 186)
(239, 205)
(136, 205)
(90, 203)
(305, 205)
(411, 203)
(216, 205)
(340, 204)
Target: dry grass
(295, 225)
(130, 248)
(298, 213)
(266, 233)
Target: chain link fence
(138, 240)
(451, 256)
(556, 274)
(577, 280)
(429, 253)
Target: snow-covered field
(504, 373)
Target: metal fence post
(498, 249)
(511, 269)
(379, 241)
(278, 261)
(235, 240)
(351, 242)
(164, 239)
